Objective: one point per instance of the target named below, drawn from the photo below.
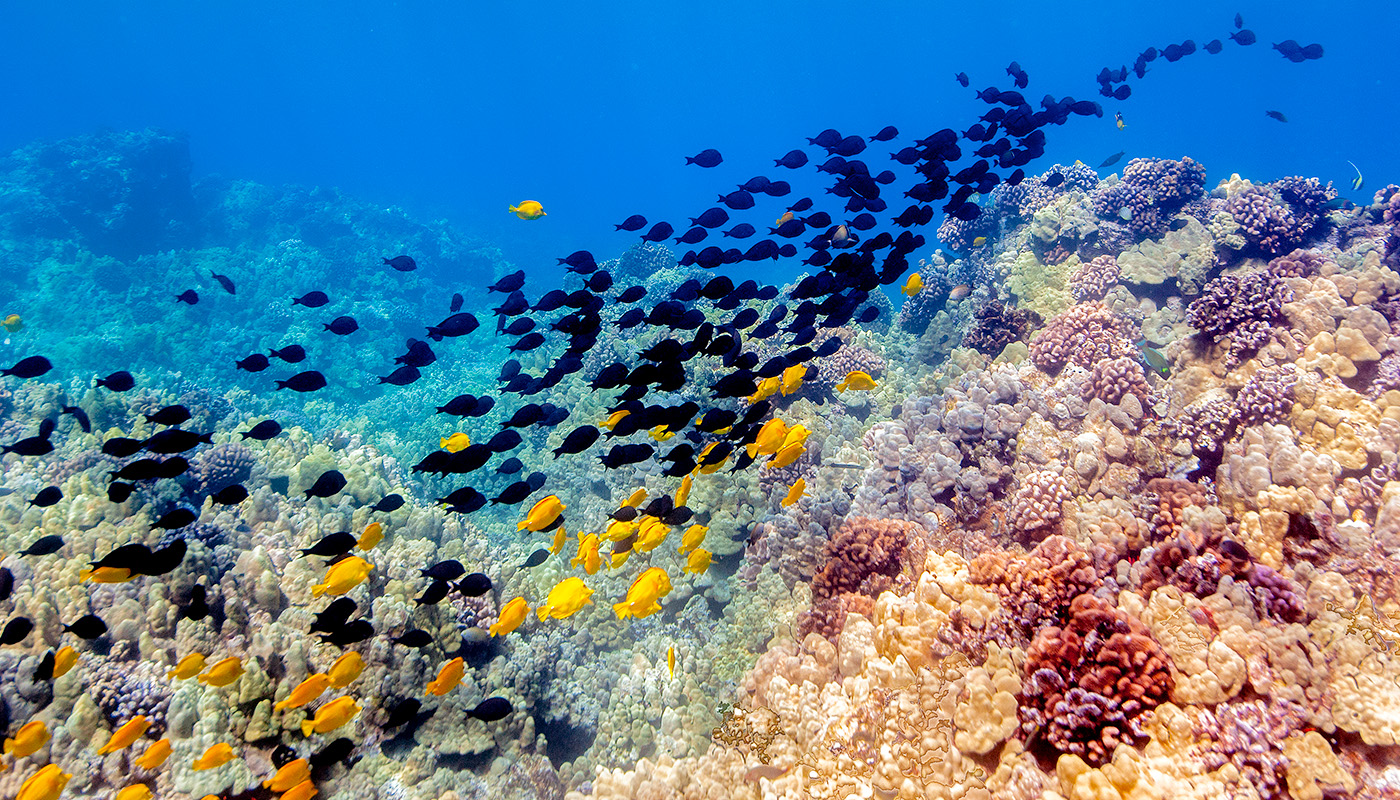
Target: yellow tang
(302, 791)
(795, 492)
(155, 755)
(644, 595)
(332, 715)
(661, 433)
(455, 443)
(64, 660)
(618, 530)
(698, 561)
(766, 388)
(136, 791)
(792, 378)
(542, 515)
(305, 692)
(512, 614)
(345, 670)
(373, 535)
(797, 434)
(856, 381)
(912, 286)
(28, 740)
(216, 756)
(289, 775)
(528, 209)
(448, 677)
(619, 558)
(12, 323)
(614, 418)
(683, 493)
(671, 660)
(587, 557)
(651, 534)
(106, 575)
(223, 673)
(189, 666)
(559, 537)
(343, 576)
(636, 498)
(785, 456)
(565, 599)
(770, 437)
(979, 241)
(694, 537)
(123, 737)
(46, 784)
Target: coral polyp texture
(1116, 515)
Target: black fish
(460, 406)
(519, 327)
(43, 546)
(1239, 20)
(263, 431)
(578, 440)
(170, 415)
(658, 232)
(197, 608)
(623, 454)
(16, 630)
(188, 296)
(632, 294)
(1244, 37)
(31, 367)
(230, 495)
(314, 299)
(402, 263)
(962, 80)
(526, 343)
(444, 570)
(1213, 46)
(308, 381)
(510, 466)
(741, 231)
(515, 303)
(795, 159)
(705, 158)
(352, 632)
(1055, 180)
(402, 376)
(628, 513)
(459, 324)
(330, 755)
(739, 200)
(536, 558)
(292, 354)
(404, 712)
(88, 626)
(491, 709)
(1113, 159)
(120, 381)
(224, 282)
(257, 362)
(44, 672)
(165, 559)
(508, 283)
(457, 301)
(176, 440)
(81, 417)
(633, 223)
(118, 492)
(504, 441)
(464, 500)
(7, 583)
(390, 502)
(1278, 115)
(434, 594)
(129, 557)
(173, 520)
(342, 326)
(580, 261)
(334, 616)
(525, 416)
(885, 134)
(415, 638)
(330, 482)
(474, 585)
(513, 494)
(332, 544)
(631, 319)
(47, 497)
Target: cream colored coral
(1206, 670)
(1313, 767)
(986, 711)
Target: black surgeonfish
(402, 263)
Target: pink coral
(1084, 335)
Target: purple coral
(1267, 396)
(1244, 308)
(1151, 192)
(1275, 219)
(1093, 279)
(1083, 335)
(997, 325)
(1116, 378)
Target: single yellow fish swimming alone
(643, 597)
(795, 492)
(565, 599)
(455, 443)
(542, 515)
(343, 576)
(46, 784)
(511, 616)
(12, 323)
(528, 209)
(27, 740)
(216, 756)
(856, 381)
(449, 675)
(373, 535)
(913, 285)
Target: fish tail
(307, 726)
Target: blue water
(457, 110)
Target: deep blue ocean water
(457, 110)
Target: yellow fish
(306, 691)
(856, 381)
(302, 791)
(661, 433)
(795, 492)
(449, 675)
(614, 418)
(289, 775)
(528, 209)
(698, 561)
(28, 740)
(216, 756)
(345, 670)
(542, 515)
(373, 535)
(619, 558)
(559, 537)
(671, 660)
(1118, 120)
(644, 594)
(588, 557)
(683, 493)
(106, 575)
(512, 614)
(788, 217)
(155, 755)
(46, 784)
(913, 285)
(785, 456)
(223, 673)
(124, 736)
(331, 716)
(979, 241)
(766, 388)
(694, 537)
(650, 535)
(13, 323)
(709, 467)
(797, 434)
(136, 791)
(770, 437)
(618, 530)
(343, 576)
(565, 599)
(64, 660)
(635, 498)
(792, 378)
(455, 443)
